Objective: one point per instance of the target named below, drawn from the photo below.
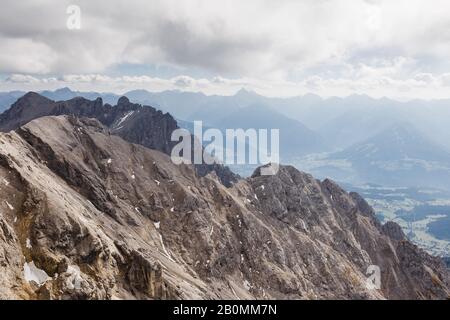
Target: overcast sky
(394, 48)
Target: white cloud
(22, 78)
(286, 46)
(25, 55)
(445, 79)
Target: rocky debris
(135, 123)
(107, 219)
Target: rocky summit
(135, 123)
(92, 207)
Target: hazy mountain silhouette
(399, 155)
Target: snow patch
(125, 117)
(304, 226)
(157, 182)
(28, 244)
(157, 224)
(9, 205)
(33, 273)
(74, 280)
(164, 248)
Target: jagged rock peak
(31, 99)
(141, 125)
(123, 101)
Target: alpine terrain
(92, 207)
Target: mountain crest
(123, 101)
(133, 122)
(84, 208)
(32, 98)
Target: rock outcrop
(135, 123)
(85, 214)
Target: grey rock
(107, 219)
(135, 123)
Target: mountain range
(327, 116)
(399, 155)
(133, 122)
(319, 114)
(341, 121)
(93, 209)
(337, 127)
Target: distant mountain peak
(138, 91)
(246, 92)
(403, 130)
(64, 90)
(360, 97)
(397, 142)
(312, 96)
(32, 97)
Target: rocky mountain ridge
(86, 214)
(135, 123)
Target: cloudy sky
(394, 48)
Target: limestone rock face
(138, 124)
(85, 214)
